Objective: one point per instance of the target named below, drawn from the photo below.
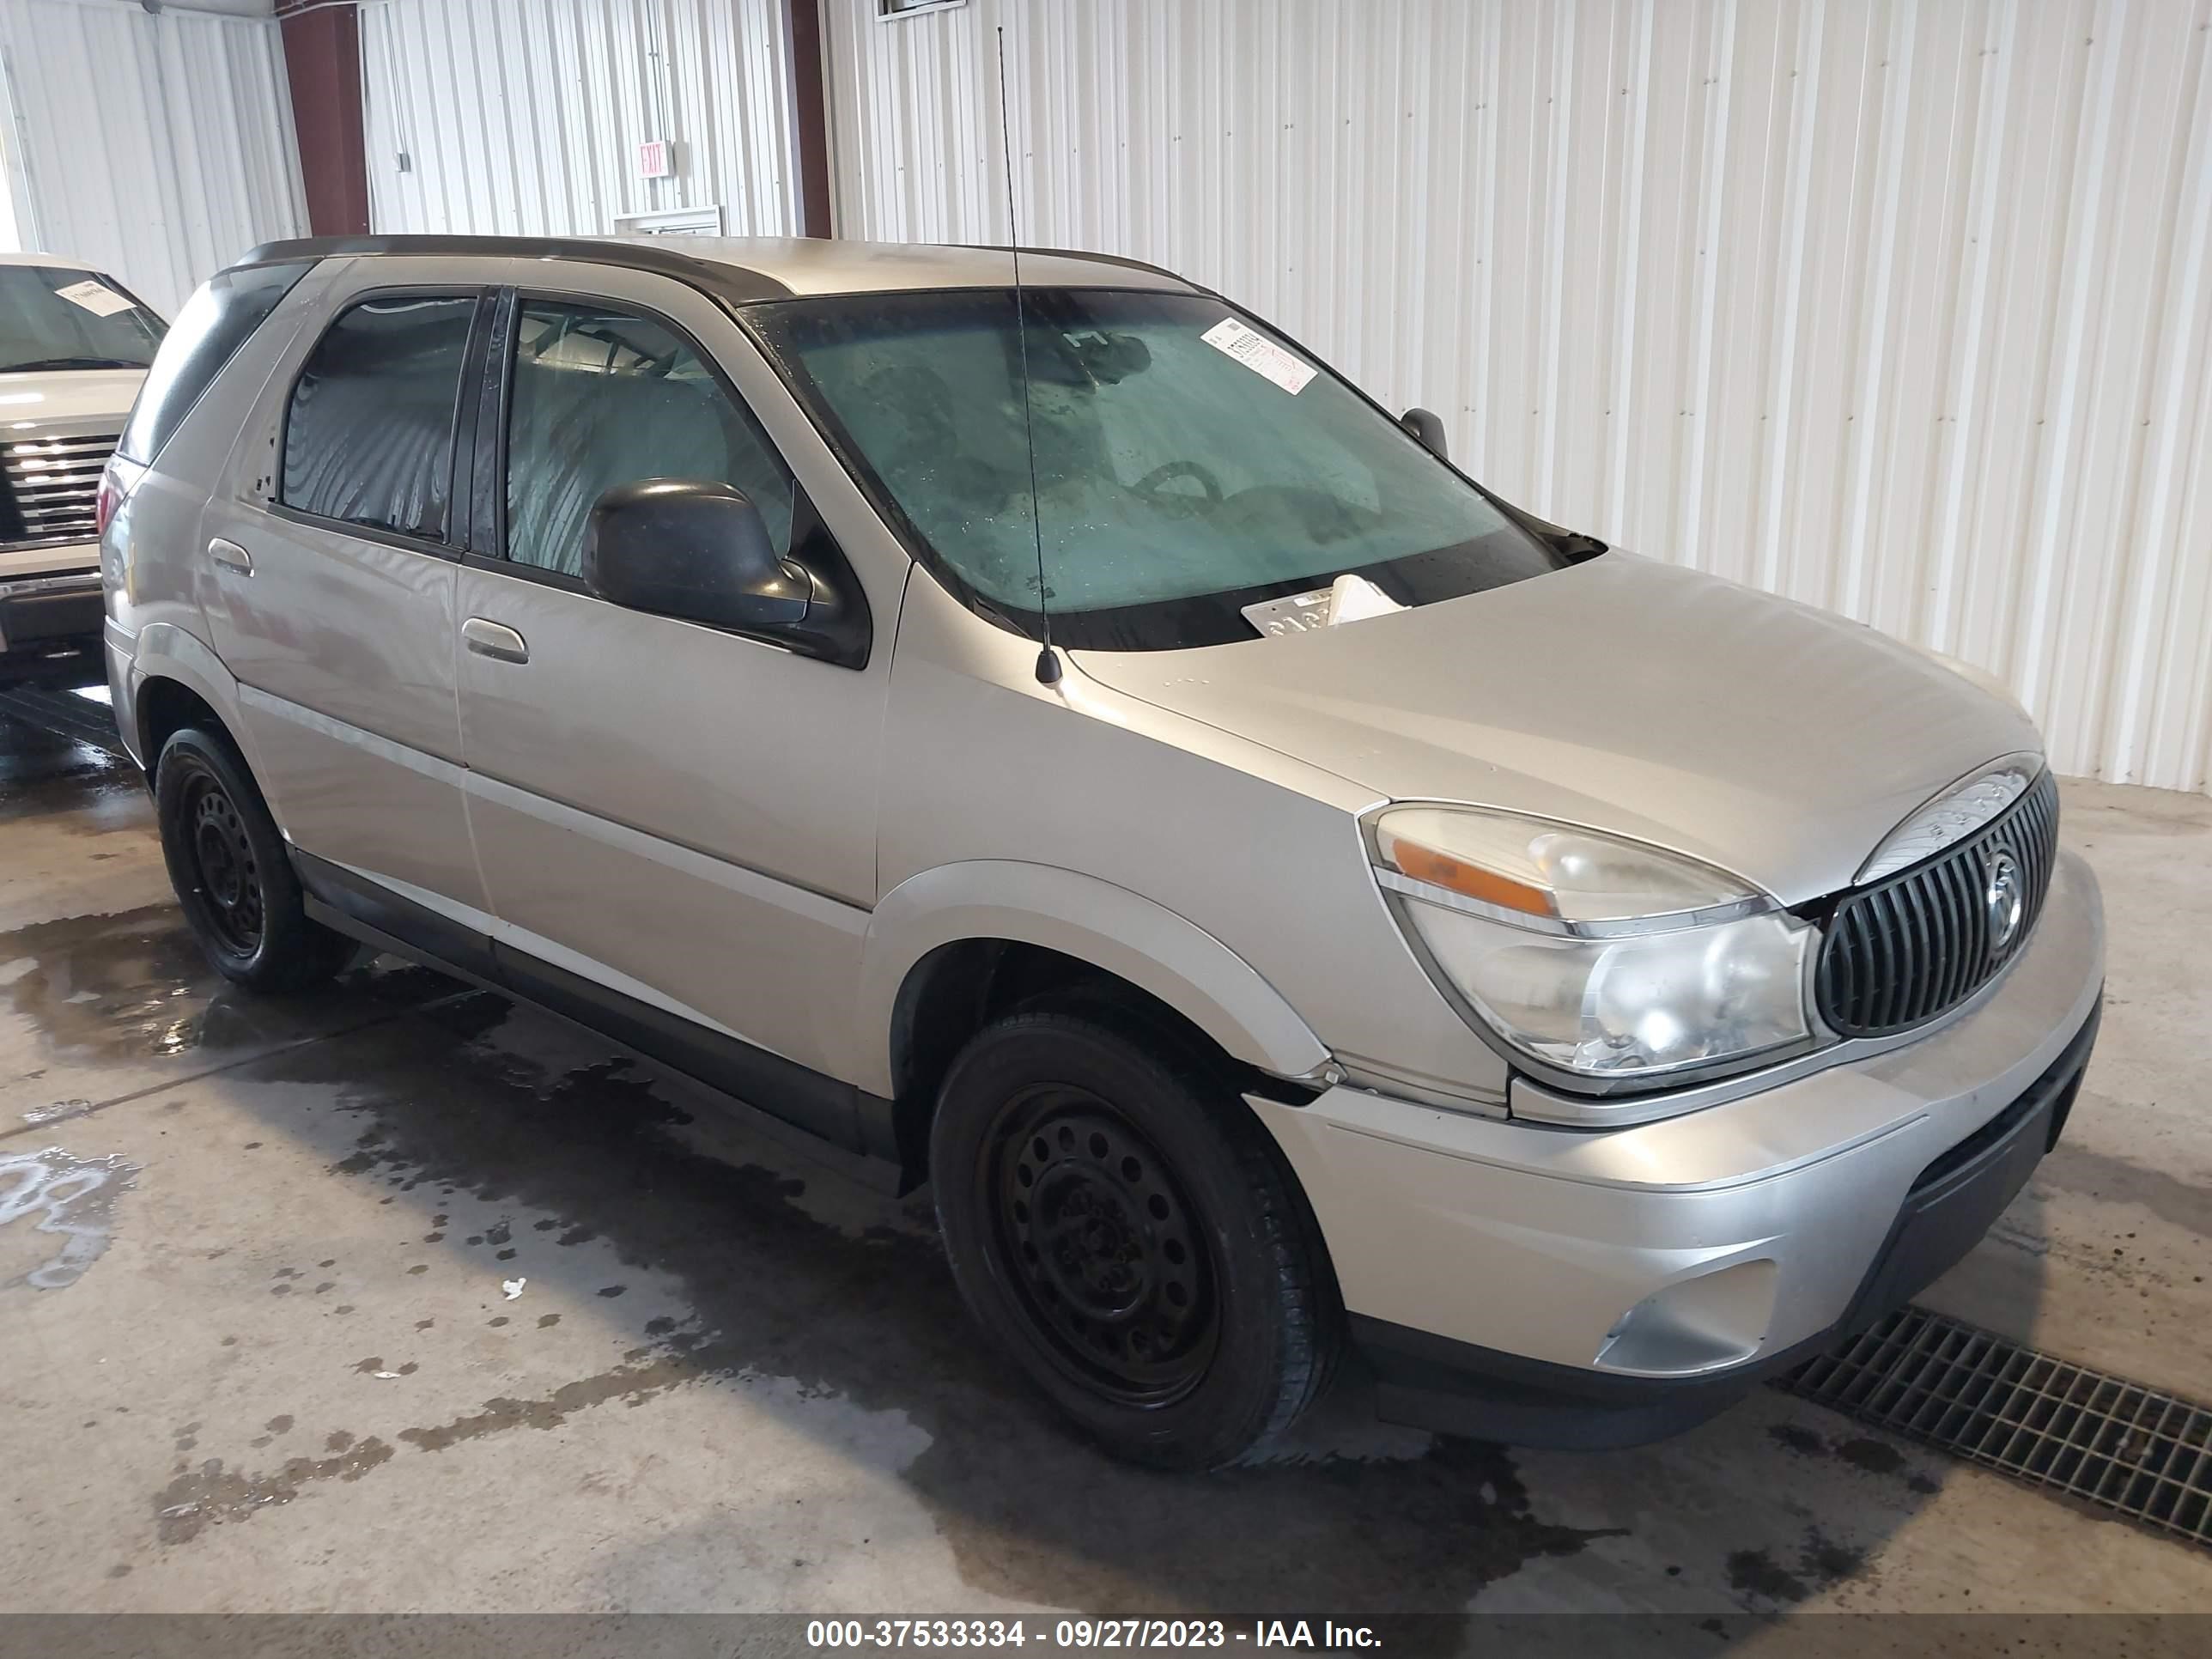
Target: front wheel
(228, 864)
(1118, 1220)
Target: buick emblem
(2003, 902)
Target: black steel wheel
(224, 865)
(227, 863)
(1129, 1233)
(1109, 1254)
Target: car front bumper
(50, 627)
(1548, 1286)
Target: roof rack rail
(1126, 263)
(734, 282)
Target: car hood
(68, 394)
(1777, 741)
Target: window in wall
(370, 438)
(907, 8)
(603, 396)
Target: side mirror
(679, 547)
(1428, 429)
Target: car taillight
(110, 498)
(116, 479)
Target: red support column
(322, 58)
(802, 20)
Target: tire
(228, 864)
(1127, 1231)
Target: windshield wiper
(70, 362)
(1571, 545)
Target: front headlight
(1596, 956)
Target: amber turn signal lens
(1472, 881)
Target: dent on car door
(678, 814)
(335, 596)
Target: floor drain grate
(2145, 1453)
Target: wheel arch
(950, 949)
(177, 681)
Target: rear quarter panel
(153, 558)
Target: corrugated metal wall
(159, 148)
(1900, 308)
(524, 116)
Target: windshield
(59, 317)
(1188, 462)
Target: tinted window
(370, 439)
(1186, 462)
(602, 397)
(214, 322)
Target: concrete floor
(255, 1353)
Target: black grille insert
(1906, 949)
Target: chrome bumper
(1697, 1245)
(67, 581)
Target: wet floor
(396, 1296)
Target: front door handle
(231, 556)
(491, 639)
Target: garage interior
(399, 1297)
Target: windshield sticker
(97, 298)
(1259, 354)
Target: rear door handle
(491, 639)
(231, 556)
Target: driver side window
(603, 397)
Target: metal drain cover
(2145, 1454)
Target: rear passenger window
(219, 319)
(601, 397)
(369, 437)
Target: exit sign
(656, 159)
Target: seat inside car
(578, 430)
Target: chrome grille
(53, 487)
(1907, 948)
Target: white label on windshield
(97, 298)
(1259, 354)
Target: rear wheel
(1119, 1221)
(228, 864)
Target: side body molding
(1107, 926)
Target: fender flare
(163, 651)
(1108, 926)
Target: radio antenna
(1047, 665)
